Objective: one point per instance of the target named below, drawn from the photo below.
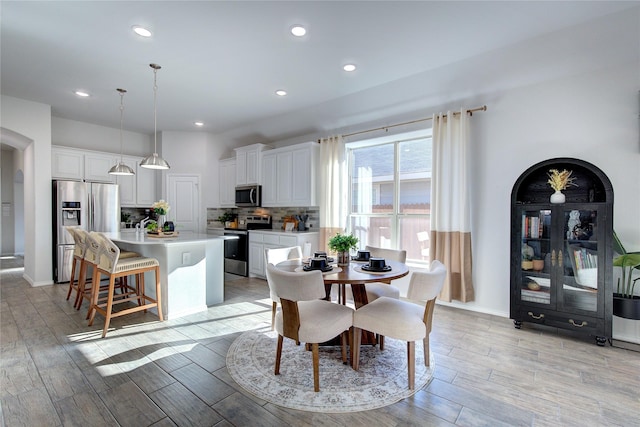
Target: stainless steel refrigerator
(91, 205)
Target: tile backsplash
(277, 215)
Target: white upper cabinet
(67, 163)
(127, 183)
(97, 165)
(289, 176)
(249, 164)
(227, 182)
(138, 190)
(145, 185)
(73, 163)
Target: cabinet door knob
(553, 257)
(560, 264)
(541, 316)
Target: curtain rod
(470, 111)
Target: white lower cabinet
(261, 240)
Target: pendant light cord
(122, 92)
(155, 114)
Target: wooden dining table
(352, 274)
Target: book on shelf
(532, 226)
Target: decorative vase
(343, 258)
(557, 197)
(161, 221)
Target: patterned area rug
(380, 381)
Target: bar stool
(78, 259)
(110, 264)
(90, 256)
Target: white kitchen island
(191, 268)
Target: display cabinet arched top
(593, 186)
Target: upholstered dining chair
(376, 290)
(403, 320)
(275, 256)
(305, 316)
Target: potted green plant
(226, 217)
(625, 303)
(342, 244)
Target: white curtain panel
(450, 204)
(333, 188)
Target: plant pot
(527, 265)
(538, 264)
(629, 308)
(343, 258)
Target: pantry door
(184, 199)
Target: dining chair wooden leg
(381, 341)
(425, 345)
(274, 308)
(411, 363)
(278, 355)
(356, 336)
(344, 338)
(316, 367)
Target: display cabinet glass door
(580, 252)
(536, 268)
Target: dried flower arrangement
(560, 180)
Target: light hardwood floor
(57, 371)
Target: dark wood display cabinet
(561, 254)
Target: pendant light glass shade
(121, 168)
(154, 161)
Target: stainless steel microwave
(249, 196)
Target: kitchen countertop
(280, 231)
(182, 237)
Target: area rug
(380, 381)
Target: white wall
(32, 121)
(71, 133)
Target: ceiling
(222, 61)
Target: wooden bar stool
(79, 250)
(110, 264)
(90, 254)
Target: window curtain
(450, 205)
(333, 189)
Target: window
(390, 193)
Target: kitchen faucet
(142, 224)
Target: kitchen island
(191, 268)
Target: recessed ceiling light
(298, 30)
(349, 67)
(141, 31)
(198, 123)
(281, 92)
(81, 93)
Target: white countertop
(182, 237)
(278, 231)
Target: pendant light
(121, 168)
(154, 161)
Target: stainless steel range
(236, 251)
